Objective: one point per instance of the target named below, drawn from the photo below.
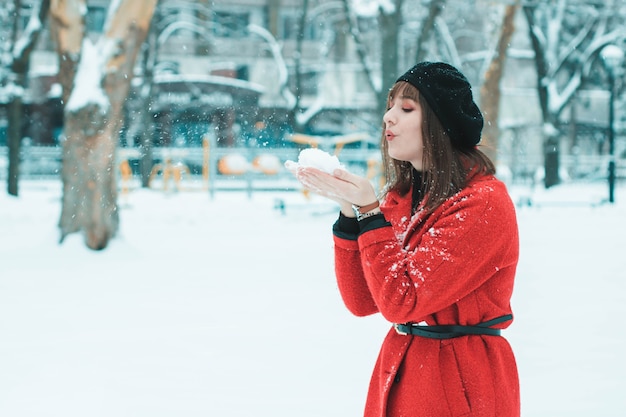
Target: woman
(436, 256)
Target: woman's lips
(389, 135)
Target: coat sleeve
(349, 272)
(469, 240)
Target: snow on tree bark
(94, 90)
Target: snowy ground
(228, 307)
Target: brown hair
(446, 169)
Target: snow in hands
(315, 158)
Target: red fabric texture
(456, 266)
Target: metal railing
(254, 168)
(42, 162)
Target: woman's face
(403, 131)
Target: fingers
(361, 183)
(341, 184)
(315, 180)
(291, 166)
(346, 176)
(313, 183)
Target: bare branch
(360, 47)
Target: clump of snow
(87, 85)
(371, 8)
(56, 90)
(316, 158)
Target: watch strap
(364, 209)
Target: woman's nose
(388, 117)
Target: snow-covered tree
(435, 36)
(388, 18)
(566, 36)
(490, 93)
(96, 79)
(15, 61)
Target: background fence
(251, 169)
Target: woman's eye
(407, 110)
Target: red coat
(455, 267)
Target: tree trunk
(14, 127)
(89, 186)
(361, 50)
(551, 153)
(490, 92)
(551, 140)
(19, 68)
(92, 127)
(434, 10)
(389, 26)
(14, 137)
(146, 93)
(67, 28)
(297, 60)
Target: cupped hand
(341, 186)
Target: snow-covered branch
(26, 42)
(446, 38)
(280, 62)
(112, 11)
(30, 34)
(375, 82)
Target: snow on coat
(456, 266)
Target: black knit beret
(449, 94)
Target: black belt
(451, 331)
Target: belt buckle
(400, 332)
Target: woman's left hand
(341, 185)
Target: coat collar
(397, 210)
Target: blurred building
(224, 68)
(229, 70)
